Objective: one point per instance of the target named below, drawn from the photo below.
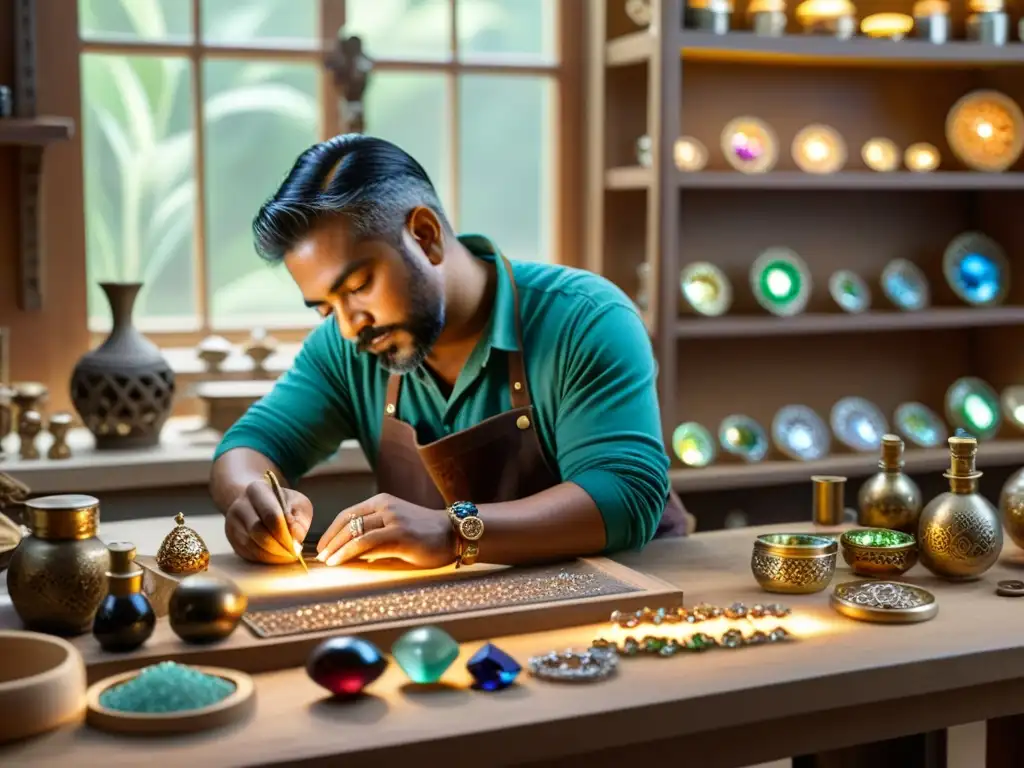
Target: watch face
(471, 528)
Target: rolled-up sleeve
(306, 415)
(608, 428)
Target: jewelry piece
(1010, 588)
(697, 642)
(575, 666)
(355, 527)
(469, 529)
(699, 613)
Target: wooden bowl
(232, 709)
(42, 684)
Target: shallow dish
(799, 433)
(229, 710)
(1012, 401)
(878, 552)
(781, 282)
(705, 289)
(920, 425)
(793, 563)
(885, 602)
(742, 436)
(693, 445)
(42, 684)
(749, 145)
(858, 424)
(905, 285)
(972, 404)
(849, 291)
(976, 268)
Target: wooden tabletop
(841, 683)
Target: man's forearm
(234, 471)
(558, 523)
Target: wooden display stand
(666, 82)
(276, 586)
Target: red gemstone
(345, 665)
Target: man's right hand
(257, 527)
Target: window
(194, 110)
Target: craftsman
(508, 409)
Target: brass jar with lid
(58, 574)
(959, 535)
(890, 499)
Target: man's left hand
(390, 528)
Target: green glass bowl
(878, 552)
(793, 563)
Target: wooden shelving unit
(666, 82)
(35, 132)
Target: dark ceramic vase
(124, 389)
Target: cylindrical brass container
(58, 575)
(827, 504)
(890, 499)
(959, 535)
(878, 552)
(793, 563)
(1011, 506)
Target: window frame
(566, 175)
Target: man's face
(389, 300)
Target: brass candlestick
(30, 424)
(60, 424)
(959, 534)
(890, 499)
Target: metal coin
(1011, 588)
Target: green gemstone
(878, 537)
(653, 644)
(780, 282)
(425, 653)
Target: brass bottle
(1011, 505)
(890, 499)
(959, 534)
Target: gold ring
(355, 527)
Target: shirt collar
(501, 330)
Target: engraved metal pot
(57, 576)
(959, 535)
(1011, 506)
(794, 563)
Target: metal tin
(884, 602)
(990, 28)
(827, 499)
(793, 563)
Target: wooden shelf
(810, 324)
(35, 132)
(867, 180)
(634, 48)
(719, 477)
(819, 50)
(629, 177)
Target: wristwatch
(469, 529)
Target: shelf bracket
(30, 160)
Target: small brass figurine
(183, 550)
(59, 425)
(890, 499)
(29, 426)
(1011, 505)
(959, 534)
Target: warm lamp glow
(811, 11)
(749, 145)
(986, 6)
(880, 155)
(891, 25)
(689, 154)
(819, 149)
(921, 157)
(766, 6)
(925, 8)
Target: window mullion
(454, 160)
(199, 160)
(332, 19)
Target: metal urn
(959, 533)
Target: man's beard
(424, 326)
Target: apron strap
(518, 388)
(391, 399)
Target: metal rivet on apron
(517, 385)
(523, 422)
(390, 409)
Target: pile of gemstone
(699, 641)
(167, 687)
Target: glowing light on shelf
(894, 26)
(921, 157)
(880, 155)
(819, 149)
(690, 155)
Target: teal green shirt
(590, 369)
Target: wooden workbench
(843, 683)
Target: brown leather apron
(499, 459)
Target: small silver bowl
(794, 563)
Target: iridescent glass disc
(972, 405)
(858, 424)
(742, 436)
(693, 444)
(799, 433)
(920, 425)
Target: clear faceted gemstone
(425, 653)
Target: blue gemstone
(463, 509)
(492, 668)
(979, 277)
